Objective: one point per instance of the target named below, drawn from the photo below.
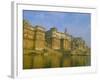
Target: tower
(65, 31)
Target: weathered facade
(39, 38)
(46, 49)
(78, 43)
(33, 40)
(28, 36)
(58, 40)
(34, 37)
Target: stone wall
(65, 44)
(57, 40)
(55, 43)
(28, 36)
(39, 39)
(49, 49)
(33, 37)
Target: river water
(53, 61)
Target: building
(34, 37)
(43, 48)
(58, 40)
(37, 38)
(78, 43)
(28, 36)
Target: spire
(66, 31)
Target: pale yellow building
(58, 40)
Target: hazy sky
(77, 24)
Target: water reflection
(76, 60)
(53, 61)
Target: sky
(77, 24)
